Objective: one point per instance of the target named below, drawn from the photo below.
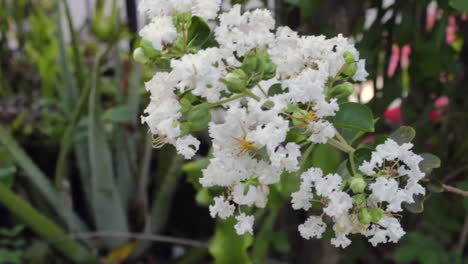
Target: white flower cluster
(393, 173)
(268, 83)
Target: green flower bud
(343, 90)
(139, 56)
(270, 71)
(364, 216)
(236, 81)
(349, 57)
(249, 65)
(357, 184)
(376, 214)
(360, 200)
(268, 105)
(183, 18)
(350, 69)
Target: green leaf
(199, 117)
(264, 237)
(7, 175)
(460, 5)
(404, 134)
(435, 186)
(107, 207)
(343, 170)
(354, 116)
(120, 114)
(227, 247)
(429, 162)
(418, 205)
(281, 242)
(276, 89)
(44, 227)
(198, 33)
(40, 181)
(326, 157)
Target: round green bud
(350, 69)
(250, 62)
(236, 81)
(139, 56)
(360, 200)
(376, 214)
(364, 216)
(268, 105)
(357, 184)
(183, 18)
(349, 57)
(270, 71)
(343, 90)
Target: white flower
(389, 190)
(160, 31)
(187, 146)
(388, 230)
(361, 73)
(207, 9)
(222, 208)
(244, 224)
(322, 131)
(327, 185)
(339, 203)
(255, 195)
(241, 33)
(340, 240)
(312, 227)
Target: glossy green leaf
(418, 205)
(404, 134)
(276, 89)
(326, 157)
(354, 116)
(227, 247)
(429, 162)
(198, 33)
(199, 117)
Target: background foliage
(74, 158)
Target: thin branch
(139, 236)
(452, 189)
(463, 235)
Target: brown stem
(452, 189)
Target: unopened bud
(350, 69)
(139, 56)
(360, 200)
(183, 18)
(364, 216)
(236, 81)
(357, 184)
(376, 214)
(249, 65)
(343, 90)
(349, 57)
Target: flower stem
(305, 157)
(252, 95)
(340, 145)
(352, 162)
(261, 89)
(235, 97)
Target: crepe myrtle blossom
(277, 92)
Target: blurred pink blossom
(405, 53)
(440, 107)
(433, 13)
(394, 59)
(450, 30)
(393, 115)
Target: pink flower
(431, 15)
(394, 59)
(451, 30)
(440, 107)
(405, 53)
(393, 115)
